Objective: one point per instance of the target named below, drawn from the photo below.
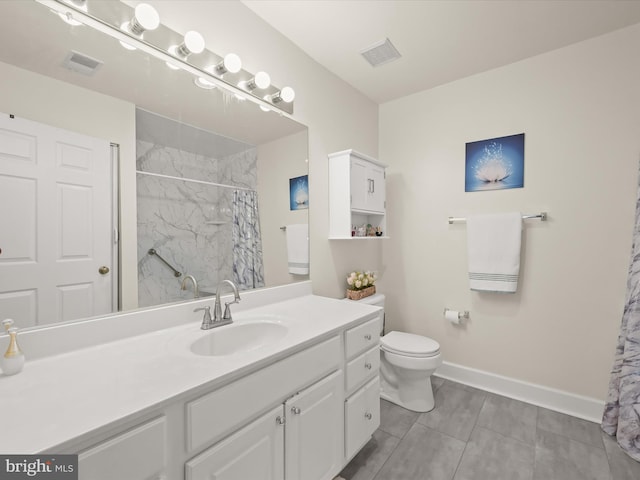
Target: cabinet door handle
(373, 186)
(280, 420)
(296, 410)
(367, 336)
(367, 366)
(368, 416)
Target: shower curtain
(248, 271)
(622, 411)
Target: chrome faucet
(217, 309)
(196, 292)
(219, 319)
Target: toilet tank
(376, 300)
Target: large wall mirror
(187, 168)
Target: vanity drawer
(362, 417)
(138, 454)
(220, 412)
(362, 337)
(362, 368)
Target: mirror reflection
(201, 179)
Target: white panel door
(55, 224)
(315, 431)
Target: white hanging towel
(493, 247)
(298, 248)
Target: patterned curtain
(248, 271)
(622, 410)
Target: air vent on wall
(380, 53)
(81, 63)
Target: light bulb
(231, 63)
(264, 108)
(194, 42)
(287, 94)
(262, 80)
(204, 82)
(145, 17)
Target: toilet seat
(409, 345)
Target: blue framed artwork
(299, 193)
(494, 164)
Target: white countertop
(60, 398)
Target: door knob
(103, 270)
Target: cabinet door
(255, 452)
(314, 431)
(376, 185)
(367, 186)
(362, 417)
(360, 185)
(138, 454)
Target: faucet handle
(227, 310)
(206, 319)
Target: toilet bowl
(406, 364)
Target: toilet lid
(409, 344)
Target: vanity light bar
(70, 11)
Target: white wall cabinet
(367, 185)
(357, 194)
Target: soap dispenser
(13, 359)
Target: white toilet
(406, 364)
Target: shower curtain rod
(542, 216)
(191, 180)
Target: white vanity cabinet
(295, 440)
(255, 452)
(138, 454)
(313, 431)
(296, 413)
(357, 194)
(362, 385)
(300, 438)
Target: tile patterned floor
(476, 435)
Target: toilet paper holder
(461, 315)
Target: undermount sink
(238, 337)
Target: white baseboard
(560, 401)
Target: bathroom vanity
(289, 391)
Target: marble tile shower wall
(189, 224)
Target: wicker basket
(358, 294)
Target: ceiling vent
(81, 63)
(381, 53)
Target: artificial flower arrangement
(361, 284)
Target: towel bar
(542, 216)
